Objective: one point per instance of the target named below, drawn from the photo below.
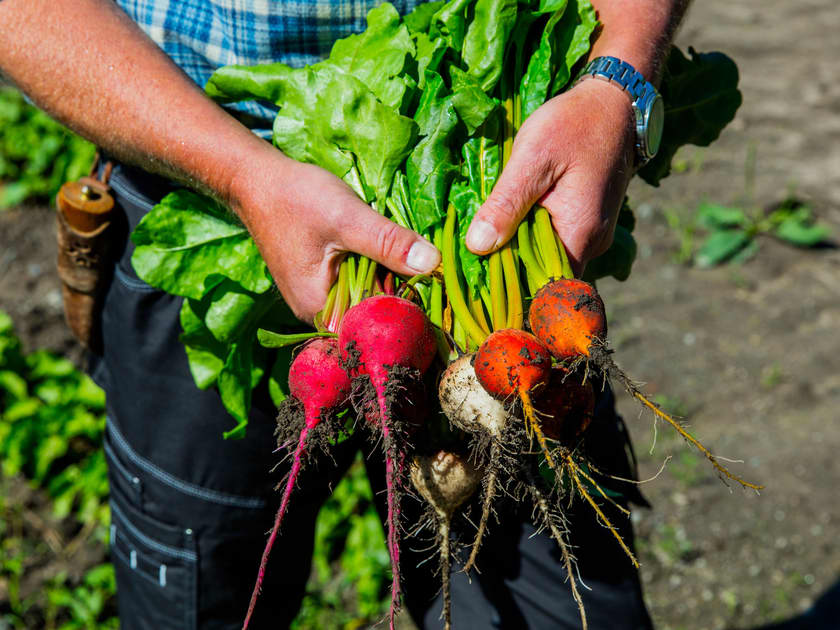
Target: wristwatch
(646, 102)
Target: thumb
(523, 181)
(380, 239)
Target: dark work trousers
(190, 510)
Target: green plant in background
(349, 536)
(51, 424)
(37, 154)
(86, 602)
(733, 232)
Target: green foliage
(416, 115)
(86, 604)
(37, 154)
(51, 424)
(701, 97)
(732, 232)
(349, 584)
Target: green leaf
(432, 165)
(188, 238)
(470, 101)
(235, 382)
(487, 38)
(701, 97)
(450, 22)
(576, 28)
(205, 354)
(271, 339)
(419, 21)
(721, 246)
(377, 56)
(712, 216)
(801, 233)
(617, 261)
(278, 378)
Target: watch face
(655, 123)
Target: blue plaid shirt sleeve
(203, 35)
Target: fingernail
(423, 257)
(481, 236)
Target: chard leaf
(236, 381)
(419, 21)
(482, 158)
(205, 354)
(617, 261)
(188, 243)
(701, 97)
(574, 32)
(450, 23)
(341, 114)
(377, 56)
(487, 39)
(430, 53)
(432, 165)
(232, 310)
(470, 101)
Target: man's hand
(304, 220)
(574, 156)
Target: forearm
(638, 32)
(90, 66)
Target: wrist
(638, 32)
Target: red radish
(318, 381)
(445, 480)
(382, 337)
(568, 316)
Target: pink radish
(388, 339)
(317, 381)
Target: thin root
(602, 359)
(568, 560)
(489, 493)
(573, 474)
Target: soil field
(748, 354)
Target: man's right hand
(304, 220)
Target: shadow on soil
(823, 615)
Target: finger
(523, 181)
(369, 233)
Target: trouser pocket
(156, 567)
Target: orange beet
(566, 406)
(511, 363)
(568, 316)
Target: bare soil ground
(749, 354)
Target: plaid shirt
(202, 35)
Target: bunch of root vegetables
(481, 377)
(515, 391)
